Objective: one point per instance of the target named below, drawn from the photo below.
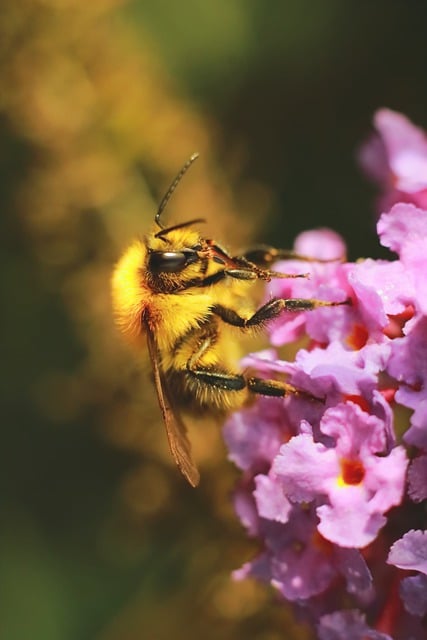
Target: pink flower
(326, 281)
(410, 552)
(404, 230)
(408, 364)
(300, 564)
(252, 446)
(396, 158)
(354, 484)
(325, 469)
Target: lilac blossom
(300, 563)
(350, 625)
(408, 365)
(414, 594)
(410, 552)
(396, 158)
(334, 476)
(251, 447)
(325, 280)
(354, 485)
(404, 230)
(417, 479)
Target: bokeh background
(100, 103)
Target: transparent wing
(179, 443)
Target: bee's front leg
(264, 256)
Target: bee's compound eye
(167, 261)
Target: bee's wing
(179, 444)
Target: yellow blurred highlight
(145, 490)
(235, 600)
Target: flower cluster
(334, 479)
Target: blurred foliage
(100, 104)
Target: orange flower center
(352, 472)
(359, 400)
(394, 329)
(358, 337)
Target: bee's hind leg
(276, 389)
(228, 383)
(210, 376)
(232, 382)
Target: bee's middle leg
(271, 310)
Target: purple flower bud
(410, 552)
(348, 625)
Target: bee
(187, 296)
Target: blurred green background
(100, 103)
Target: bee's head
(177, 256)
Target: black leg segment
(270, 310)
(238, 382)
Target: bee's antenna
(172, 188)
